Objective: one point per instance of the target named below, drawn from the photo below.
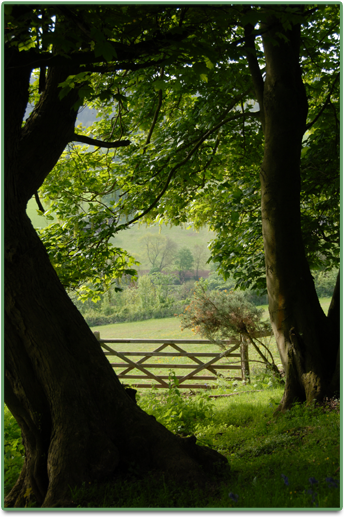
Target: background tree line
(161, 295)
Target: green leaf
(208, 63)
(65, 90)
(106, 50)
(200, 68)
(159, 84)
(85, 91)
(121, 97)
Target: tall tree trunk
(78, 423)
(306, 345)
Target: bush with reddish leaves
(223, 315)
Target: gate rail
(123, 368)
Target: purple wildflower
(310, 492)
(332, 482)
(285, 480)
(234, 497)
(313, 480)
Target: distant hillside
(130, 239)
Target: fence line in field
(128, 364)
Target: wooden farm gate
(211, 362)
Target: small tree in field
(159, 250)
(184, 262)
(219, 315)
(199, 253)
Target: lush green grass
(282, 461)
(261, 447)
(154, 328)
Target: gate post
(97, 335)
(245, 366)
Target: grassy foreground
(283, 461)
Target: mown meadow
(275, 461)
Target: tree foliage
(184, 262)
(196, 141)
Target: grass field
(275, 461)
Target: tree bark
(78, 423)
(306, 345)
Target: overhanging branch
(156, 114)
(99, 143)
(126, 55)
(180, 164)
(87, 61)
(38, 201)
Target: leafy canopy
(175, 82)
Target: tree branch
(38, 201)
(177, 166)
(156, 114)
(98, 143)
(310, 124)
(253, 63)
(266, 361)
(34, 59)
